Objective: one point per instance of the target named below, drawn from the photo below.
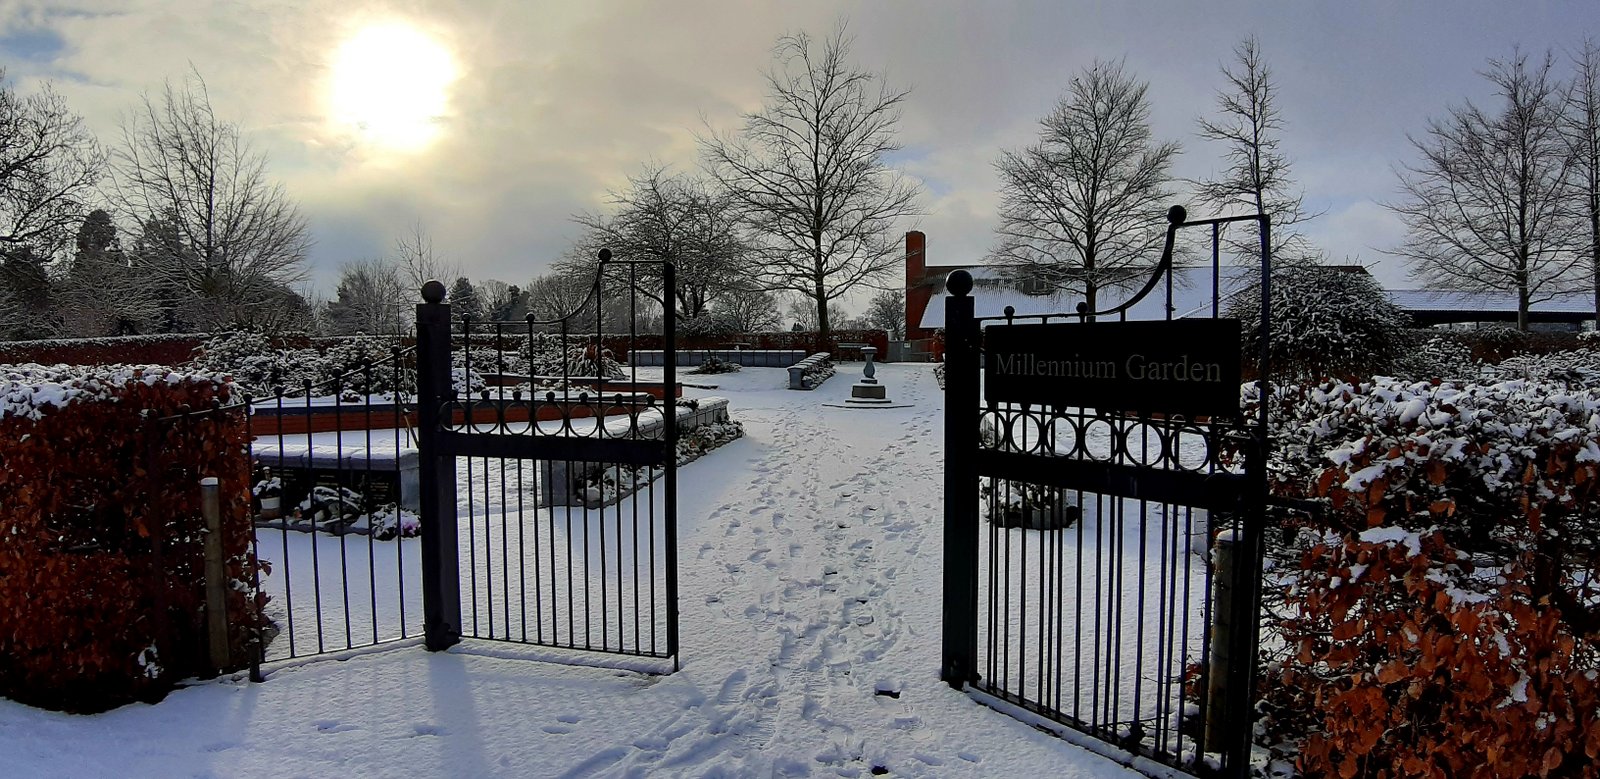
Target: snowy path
(810, 584)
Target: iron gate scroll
(549, 474)
(1104, 513)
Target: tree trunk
(824, 327)
(1522, 307)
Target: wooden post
(1222, 573)
(216, 574)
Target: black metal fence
(549, 472)
(1102, 567)
(337, 496)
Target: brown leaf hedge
(101, 536)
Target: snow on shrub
(101, 550)
(606, 485)
(1441, 615)
(355, 365)
(708, 325)
(714, 365)
(1325, 322)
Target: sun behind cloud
(390, 86)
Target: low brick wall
(749, 358)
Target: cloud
(558, 102)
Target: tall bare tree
(681, 219)
(419, 262)
(887, 310)
(752, 308)
(1256, 179)
(809, 173)
(1488, 206)
(561, 295)
(1583, 129)
(370, 299)
(101, 292)
(242, 239)
(1084, 207)
(49, 167)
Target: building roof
(1192, 296)
(1432, 300)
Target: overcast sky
(493, 121)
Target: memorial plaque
(1186, 366)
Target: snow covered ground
(810, 555)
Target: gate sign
(1189, 366)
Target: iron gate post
(960, 647)
(441, 562)
(669, 421)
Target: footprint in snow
(427, 730)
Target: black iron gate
(1102, 563)
(549, 474)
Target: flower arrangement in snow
(1325, 322)
(604, 486)
(714, 365)
(344, 510)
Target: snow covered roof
(1192, 295)
(1418, 300)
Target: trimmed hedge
(101, 538)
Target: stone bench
(797, 371)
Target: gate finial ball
(959, 283)
(433, 291)
(605, 255)
(1177, 215)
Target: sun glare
(391, 85)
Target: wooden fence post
(216, 574)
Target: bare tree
(561, 295)
(809, 174)
(242, 239)
(672, 218)
(1084, 207)
(101, 292)
(419, 263)
(49, 166)
(370, 299)
(887, 310)
(1257, 178)
(753, 309)
(800, 311)
(1583, 130)
(1488, 205)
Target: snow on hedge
(1375, 427)
(30, 390)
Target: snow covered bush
(1436, 355)
(1325, 322)
(354, 365)
(551, 355)
(714, 365)
(708, 325)
(101, 537)
(1449, 592)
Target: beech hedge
(101, 536)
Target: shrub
(713, 365)
(101, 550)
(1440, 617)
(708, 325)
(1325, 322)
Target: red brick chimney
(917, 293)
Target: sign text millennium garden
(1189, 367)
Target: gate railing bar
(441, 563)
(959, 651)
